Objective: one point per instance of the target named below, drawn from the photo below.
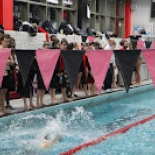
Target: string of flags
(140, 44)
(98, 60)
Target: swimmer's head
(47, 137)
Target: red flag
(149, 55)
(140, 44)
(47, 60)
(4, 55)
(99, 61)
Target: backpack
(77, 31)
(17, 24)
(33, 30)
(67, 28)
(48, 27)
(70, 29)
(89, 31)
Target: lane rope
(103, 138)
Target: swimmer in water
(48, 141)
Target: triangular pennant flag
(47, 60)
(148, 44)
(140, 44)
(4, 55)
(149, 55)
(25, 59)
(72, 61)
(134, 44)
(135, 37)
(153, 44)
(99, 61)
(90, 38)
(126, 60)
(84, 38)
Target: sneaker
(108, 90)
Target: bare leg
(25, 103)
(1, 113)
(31, 101)
(37, 97)
(93, 89)
(89, 87)
(85, 90)
(63, 92)
(42, 93)
(26, 107)
(138, 77)
(113, 80)
(73, 92)
(53, 96)
(77, 85)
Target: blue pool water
(23, 134)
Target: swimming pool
(82, 121)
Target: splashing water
(23, 136)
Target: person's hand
(17, 68)
(11, 58)
(5, 73)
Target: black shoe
(76, 95)
(9, 107)
(57, 92)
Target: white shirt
(108, 47)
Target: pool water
(24, 135)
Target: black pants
(108, 78)
(7, 98)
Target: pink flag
(4, 55)
(149, 55)
(140, 44)
(99, 61)
(91, 38)
(47, 60)
(153, 43)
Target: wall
(25, 41)
(142, 14)
(143, 11)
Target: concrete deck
(19, 105)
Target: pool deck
(19, 105)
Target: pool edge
(104, 98)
